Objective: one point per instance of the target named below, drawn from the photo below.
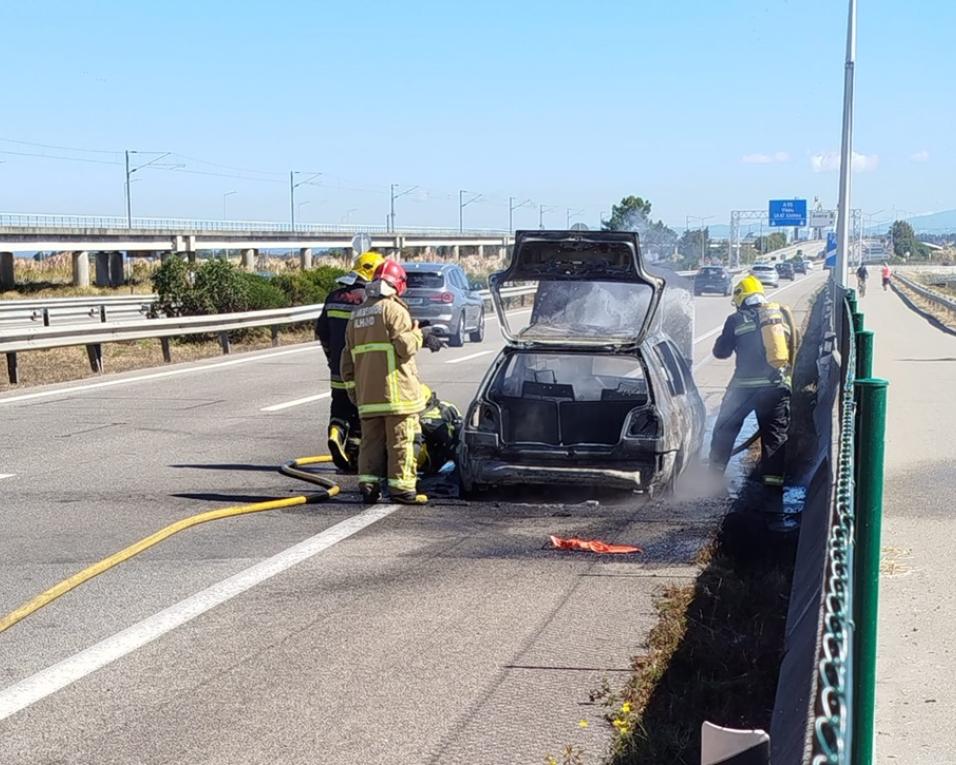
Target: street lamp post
(462, 204)
(293, 186)
(393, 195)
(571, 212)
(542, 209)
(227, 194)
(701, 219)
(511, 212)
(131, 170)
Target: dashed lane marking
(469, 357)
(52, 679)
(295, 402)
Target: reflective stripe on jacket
(379, 358)
(331, 324)
(742, 336)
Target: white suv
(766, 273)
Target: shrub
(307, 287)
(262, 294)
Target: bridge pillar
(7, 280)
(456, 252)
(502, 252)
(81, 269)
(481, 251)
(249, 260)
(117, 269)
(102, 269)
(305, 258)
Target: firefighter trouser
(771, 404)
(388, 451)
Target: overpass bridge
(110, 237)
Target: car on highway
(439, 295)
(799, 266)
(766, 273)
(593, 386)
(785, 270)
(712, 279)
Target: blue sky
(700, 107)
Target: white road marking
(296, 402)
(52, 679)
(152, 376)
(468, 358)
(6, 475)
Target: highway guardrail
(44, 311)
(937, 298)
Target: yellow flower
(583, 724)
(626, 708)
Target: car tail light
(444, 297)
(643, 423)
(483, 417)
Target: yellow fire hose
(293, 469)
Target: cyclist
(861, 276)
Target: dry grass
(66, 364)
(713, 655)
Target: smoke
(657, 240)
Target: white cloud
(765, 159)
(828, 161)
(920, 156)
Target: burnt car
(593, 386)
(712, 279)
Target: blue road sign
(788, 212)
(831, 241)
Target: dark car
(785, 270)
(440, 294)
(591, 388)
(712, 279)
(800, 266)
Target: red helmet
(392, 273)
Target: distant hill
(936, 223)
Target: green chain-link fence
(846, 660)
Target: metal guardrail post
(870, 397)
(864, 354)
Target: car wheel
(457, 339)
(727, 292)
(479, 334)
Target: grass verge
(714, 654)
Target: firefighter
(764, 339)
(345, 428)
(378, 368)
(441, 423)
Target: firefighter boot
(370, 492)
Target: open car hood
(591, 289)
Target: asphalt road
(444, 634)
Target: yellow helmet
(749, 285)
(366, 264)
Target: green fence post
(868, 477)
(851, 299)
(857, 321)
(864, 354)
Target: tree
(633, 214)
(905, 242)
(632, 211)
(694, 243)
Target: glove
(431, 342)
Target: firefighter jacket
(743, 334)
(378, 362)
(330, 326)
(441, 430)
